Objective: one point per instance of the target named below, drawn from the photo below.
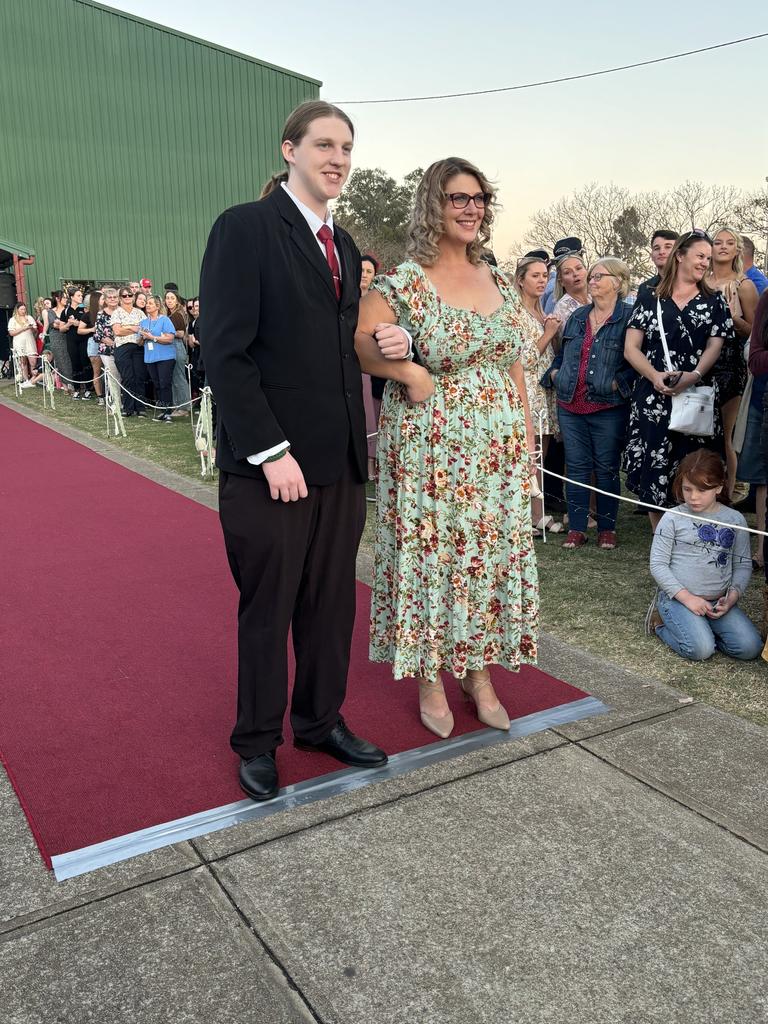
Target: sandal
(575, 539)
(607, 540)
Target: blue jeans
(696, 637)
(593, 444)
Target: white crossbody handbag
(693, 410)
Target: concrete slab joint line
(263, 945)
(578, 894)
(714, 763)
(173, 951)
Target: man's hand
(391, 340)
(285, 479)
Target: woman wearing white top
(21, 328)
(570, 289)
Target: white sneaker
(100, 402)
(27, 384)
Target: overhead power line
(557, 81)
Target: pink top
(579, 403)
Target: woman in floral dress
(455, 585)
(696, 322)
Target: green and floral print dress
(455, 582)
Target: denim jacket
(606, 358)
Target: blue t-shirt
(154, 351)
(758, 279)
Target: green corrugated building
(122, 140)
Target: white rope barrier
(655, 508)
(49, 384)
(204, 433)
(18, 373)
(113, 404)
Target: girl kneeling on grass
(702, 568)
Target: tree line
(610, 220)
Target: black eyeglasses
(696, 233)
(461, 200)
(126, 295)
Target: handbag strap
(662, 332)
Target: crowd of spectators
(145, 341)
(597, 380)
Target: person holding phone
(702, 567)
(696, 322)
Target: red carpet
(118, 614)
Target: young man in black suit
(279, 296)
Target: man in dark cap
(565, 247)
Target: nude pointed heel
(440, 725)
(496, 718)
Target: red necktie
(326, 237)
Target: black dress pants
(294, 565)
(161, 373)
(129, 359)
(77, 349)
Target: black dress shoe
(347, 748)
(258, 776)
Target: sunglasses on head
(696, 233)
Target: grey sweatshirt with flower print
(700, 557)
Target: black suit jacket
(278, 346)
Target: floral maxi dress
(455, 581)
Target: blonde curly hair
(427, 227)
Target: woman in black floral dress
(696, 321)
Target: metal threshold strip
(89, 858)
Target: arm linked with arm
(374, 310)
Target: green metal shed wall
(122, 141)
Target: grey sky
(702, 117)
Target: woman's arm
(551, 330)
(518, 376)
(374, 312)
(633, 353)
(82, 328)
(162, 339)
(748, 298)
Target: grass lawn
(594, 599)
(170, 444)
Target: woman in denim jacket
(593, 382)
